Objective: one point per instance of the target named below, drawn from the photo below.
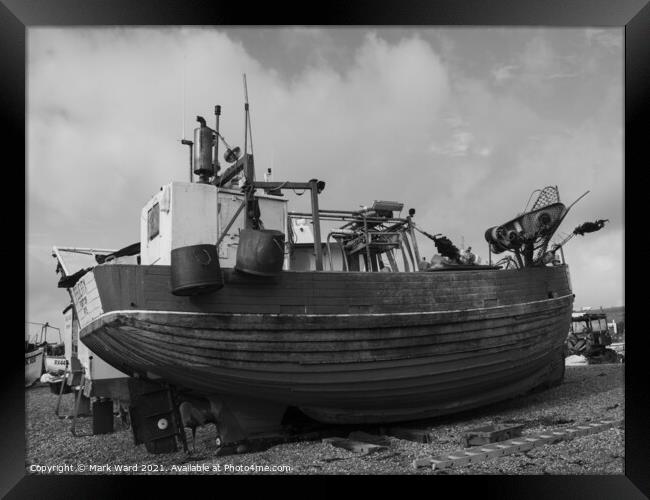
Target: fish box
(491, 434)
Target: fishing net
(547, 196)
(536, 224)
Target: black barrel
(260, 252)
(195, 270)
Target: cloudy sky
(460, 123)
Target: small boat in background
(42, 356)
(54, 358)
(33, 363)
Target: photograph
(325, 250)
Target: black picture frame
(18, 15)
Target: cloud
(502, 73)
(611, 39)
(105, 114)
(388, 120)
(596, 263)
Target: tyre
(611, 356)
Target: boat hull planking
(343, 347)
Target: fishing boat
(33, 363)
(42, 356)
(232, 298)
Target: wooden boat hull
(33, 366)
(343, 347)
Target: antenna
(184, 141)
(579, 198)
(248, 118)
(245, 116)
(183, 100)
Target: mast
(246, 128)
(249, 173)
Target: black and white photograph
(325, 250)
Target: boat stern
(86, 299)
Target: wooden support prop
(369, 438)
(417, 435)
(355, 446)
(524, 443)
(81, 408)
(61, 391)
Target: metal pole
(217, 112)
(190, 144)
(318, 251)
(415, 243)
(191, 159)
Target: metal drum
(260, 252)
(195, 270)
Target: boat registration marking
(86, 299)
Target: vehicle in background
(589, 336)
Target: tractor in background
(590, 337)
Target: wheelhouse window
(153, 221)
